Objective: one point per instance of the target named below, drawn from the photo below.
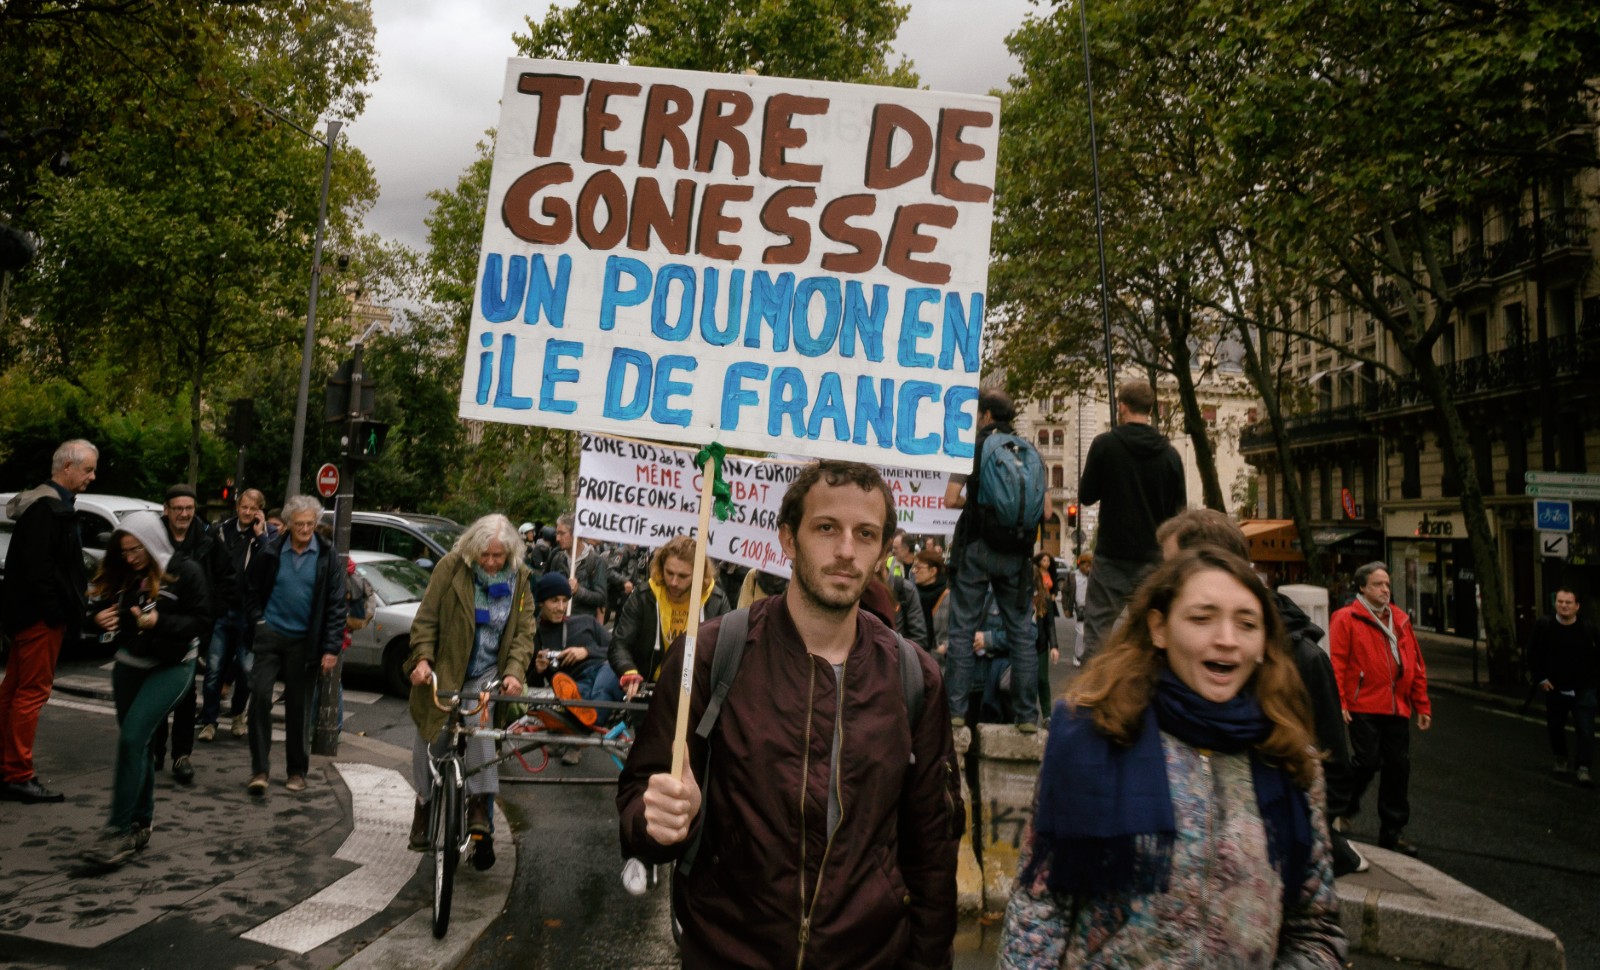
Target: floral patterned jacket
(1223, 908)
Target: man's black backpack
(731, 638)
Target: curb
(1418, 913)
(408, 944)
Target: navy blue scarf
(1104, 819)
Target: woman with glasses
(154, 610)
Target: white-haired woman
(155, 611)
(475, 625)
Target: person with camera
(154, 604)
(574, 645)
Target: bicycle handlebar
(455, 704)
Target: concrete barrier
(1008, 767)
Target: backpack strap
(910, 680)
(724, 667)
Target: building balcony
(1319, 427)
(1510, 372)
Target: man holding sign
(818, 720)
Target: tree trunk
(1194, 422)
(196, 380)
(1299, 509)
(1505, 655)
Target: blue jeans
(229, 645)
(974, 568)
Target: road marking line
(80, 706)
(381, 803)
(1515, 717)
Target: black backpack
(731, 638)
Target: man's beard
(814, 587)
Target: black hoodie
(1137, 477)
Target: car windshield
(445, 534)
(395, 580)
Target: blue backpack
(1010, 492)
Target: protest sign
(644, 494)
(773, 264)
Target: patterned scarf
(491, 601)
(1104, 821)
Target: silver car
(385, 642)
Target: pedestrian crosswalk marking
(381, 803)
(56, 701)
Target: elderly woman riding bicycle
(475, 626)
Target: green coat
(444, 629)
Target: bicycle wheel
(444, 831)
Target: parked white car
(98, 516)
(385, 642)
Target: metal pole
(1077, 527)
(326, 739)
(1099, 220)
(297, 451)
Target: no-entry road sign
(328, 480)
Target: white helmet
(524, 528)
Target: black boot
(478, 815)
(483, 852)
(419, 829)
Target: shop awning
(1272, 540)
(1348, 539)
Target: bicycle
(448, 837)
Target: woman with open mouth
(1179, 816)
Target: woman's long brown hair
(115, 574)
(1119, 682)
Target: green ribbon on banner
(721, 491)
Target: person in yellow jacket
(653, 617)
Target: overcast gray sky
(443, 65)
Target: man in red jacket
(831, 815)
(1382, 680)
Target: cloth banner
(644, 494)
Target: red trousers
(30, 673)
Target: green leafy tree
(837, 40)
(183, 241)
(1366, 131)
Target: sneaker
(635, 878)
(141, 837)
(572, 756)
(258, 784)
(1362, 865)
(208, 732)
(958, 722)
(1341, 824)
(1027, 727)
(241, 725)
(1584, 778)
(111, 849)
(1397, 844)
(295, 783)
(183, 771)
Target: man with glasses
(193, 541)
(242, 536)
(295, 588)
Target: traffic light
(367, 439)
(241, 421)
(227, 491)
(1072, 515)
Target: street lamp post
(297, 450)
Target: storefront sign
(1424, 524)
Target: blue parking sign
(1552, 515)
